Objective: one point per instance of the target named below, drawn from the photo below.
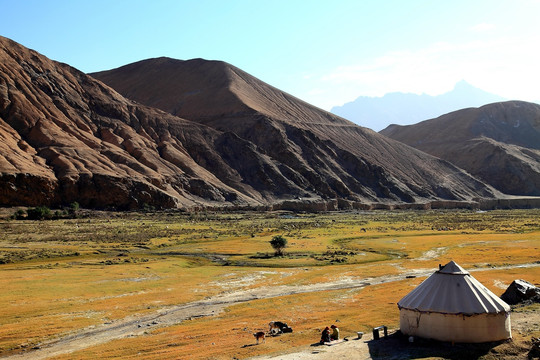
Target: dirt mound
(499, 143)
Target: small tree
(278, 242)
(74, 207)
(19, 214)
(39, 213)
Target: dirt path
(167, 316)
(354, 349)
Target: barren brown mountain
(318, 151)
(498, 143)
(68, 137)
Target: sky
(324, 52)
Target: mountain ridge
(69, 137)
(289, 130)
(84, 136)
(499, 143)
(406, 108)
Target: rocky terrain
(498, 143)
(323, 154)
(222, 137)
(67, 137)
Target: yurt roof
(452, 290)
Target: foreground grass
(65, 275)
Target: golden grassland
(60, 276)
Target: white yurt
(451, 305)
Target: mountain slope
(499, 143)
(67, 137)
(322, 153)
(405, 109)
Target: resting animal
(276, 327)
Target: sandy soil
(354, 349)
(167, 316)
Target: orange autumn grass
(229, 335)
(133, 264)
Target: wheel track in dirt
(168, 316)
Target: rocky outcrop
(520, 291)
(498, 143)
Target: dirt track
(167, 316)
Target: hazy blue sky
(324, 52)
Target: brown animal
(260, 335)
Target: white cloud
(506, 66)
(482, 27)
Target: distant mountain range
(193, 134)
(498, 143)
(398, 108)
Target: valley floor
(179, 286)
(137, 326)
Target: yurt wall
(455, 327)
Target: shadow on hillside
(397, 346)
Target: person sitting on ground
(335, 333)
(325, 336)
